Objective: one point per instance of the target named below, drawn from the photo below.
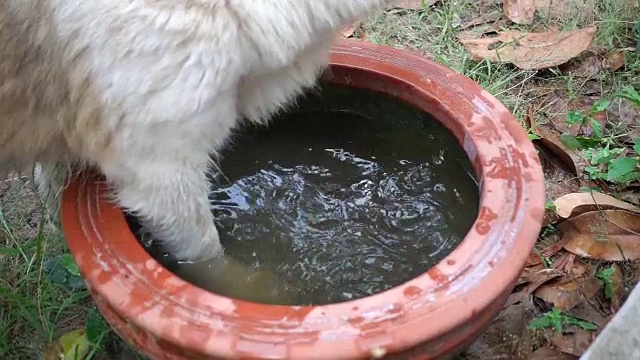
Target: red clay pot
(429, 317)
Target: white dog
(148, 90)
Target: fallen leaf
(575, 343)
(565, 263)
(559, 179)
(625, 113)
(558, 108)
(589, 311)
(72, 345)
(579, 203)
(595, 63)
(530, 50)
(506, 338)
(551, 140)
(612, 235)
(566, 293)
(536, 257)
(609, 248)
(519, 11)
(533, 277)
(588, 66)
(578, 269)
(547, 353)
(607, 222)
(348, 31)
(615, 59)
(630, 195)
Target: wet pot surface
(347, 195)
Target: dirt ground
(573, 283)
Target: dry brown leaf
(595, 63)
(506, 338)
(559, 180)
(630, 195)
(566, 293)
(565, 263)
(607, 222)
(519, 11)
(616, 60)
(547, 353)
(589, 311)
(579, 203)
(588, 66)
(557, 106)
(348, 31)
(578, 269)
(556, 244)
(609, 248)
(612, 235)
(533, 277)
(625, 113)
(550, 140)
(530, 50)
(575, 343)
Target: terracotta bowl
(429, 317)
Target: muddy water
(347, 195)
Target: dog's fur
(148, 90)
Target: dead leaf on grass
(506, 338)
(579, 203)
(558, 173)
(579, 268)
(589, 311)
(565, 263)
(611, 235)
(550, 140)
(519, 11)
(567, 292)
(625, 113)
(557, 106)
(574, 343)
(615, 59)
(554, 244)
(630, 195)
(533, 277)
(348, 31)
(547, 353)
(530, 51)
(595, 63)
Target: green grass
(33, 309)
(40, 297)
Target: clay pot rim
(431, 305)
